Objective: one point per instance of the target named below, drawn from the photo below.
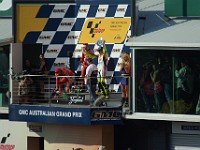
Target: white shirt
(90, 69)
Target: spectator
(125, 70)
(102, 71)
(185, 80)
(42, 66)
(60, 81)
(42, 70)
(91, 79)
(158, 88)
(24, 89)
(83, 61)
(102, 66)
(146, 86)
(28, 66)
(84, 57)
(166, 80)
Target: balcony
(38, 101)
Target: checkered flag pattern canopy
(68, 26)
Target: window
(167, 81)
(4, 77)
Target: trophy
(101, 42)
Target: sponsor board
(113, 30)
(106, 114)
(62, 29)
(59, 115)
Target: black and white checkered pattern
(62, 31)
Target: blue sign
(61, 115)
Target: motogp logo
(4, 146)
(94, 28)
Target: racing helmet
(58, 71)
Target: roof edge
(6, 41)
(163, 44)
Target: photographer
(24, 89)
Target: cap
(57, 70)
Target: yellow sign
(112, 30)
(27, 22)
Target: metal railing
(41, 90)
